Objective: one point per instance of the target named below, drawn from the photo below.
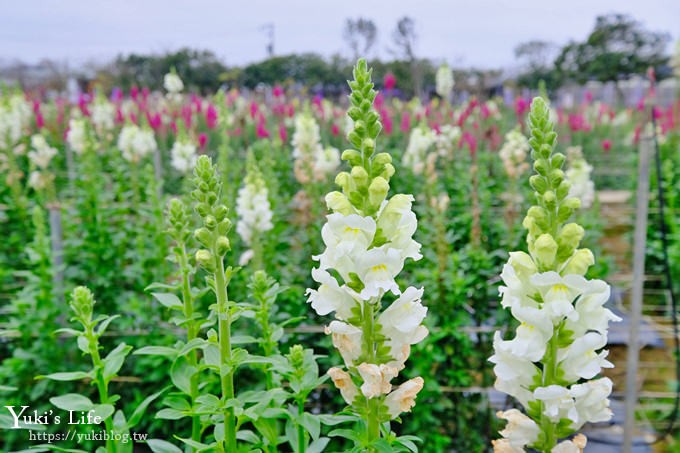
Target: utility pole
(268, 29)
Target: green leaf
(115, 359)
(312, 424)
(346, 433)
(318, 445)
(141, 409)
(247, 436)
(163, 351)
(168, 300)
(243, 339)
(198, 445)
(66, 376)
(170, 414)
(101, 328)
(103, 410)
(72, 402)
(193, 344)
(162, 446)
(181, 373)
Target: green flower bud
(210, 222)
(221, 212)
(222, 246)
(360, 176)
(82, 303)
(352, 156)
(205, 259)
(338, 202)
(549, 199)
(343, 180)
(377, 191)
(387, 172)
(538, 183)
(203, 209)
(296, 357)
(545, 249)
(563, 190)
(204, 236)
(541, 167)
(572, 202)
(557, 176)
(382, 159)
(368, 146)
(571, 235)
(557, 160)
(579, 263)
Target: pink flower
(261, 130)
(390, 81)
(588, 97)
(253, 109)
(521, 106)
(335, 130)
(469, 140)
(386, 120)
(134, 92)
(283, 133)
(154, 120)
(277, 91)
(606, 145)
(405, 122)
(211, 116)
(202, 140)
(187, 113)
(39, 119)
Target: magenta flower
(405, 122)
(283, 133)
(134, 92)
(277, 91)
(389, 81)
(335, 130)
(606, 145)
(261, 130)
(202, 140)
(211, 116)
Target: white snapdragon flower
(77, 135)
(173, 83)
(103, 115)
(15, 117)
(183, 155)
(514, 153)
(444, 81)
(136, 143)
(518, 433)
(347, 338)
(420, 140)
(343, 382)
(447, 140)
(253, 209)
(42, 153)
(404, 398)
(578, 174)
(313, 162)
(376, 379)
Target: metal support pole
(639, 246)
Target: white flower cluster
(444, 81)
(514, 153)
(312, 161)
(103, 115)
(173, 83)
(552, 362)
(76, 137)
(419, 142)
(447, 140)
(183, 155)
(253, 208)
(368, 272)
(15, 116)
(541, 301)
(40, 157)
(578, 174)
(136, 143)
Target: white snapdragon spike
(173, 83)
(578, 174)
(41, 153)
(76, 137)
(447, 140)
(183, 155)
(136, 143)
(313, 162)
(253, 207)
(103, 115)
(444, 81)
(368, 237)
(514, 154)
(551, 358)
(15, 117)
(419, 143)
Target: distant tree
(405, 37)
(360, 34)
(536, 58)
(199, 69)
(617, 47)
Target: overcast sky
(479, 33)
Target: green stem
(549, 378)
(372, 425)
(102, 388)
(227, 379)
(302, 441)
(192, 332)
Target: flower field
(280, 271)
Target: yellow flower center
(379, 268)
